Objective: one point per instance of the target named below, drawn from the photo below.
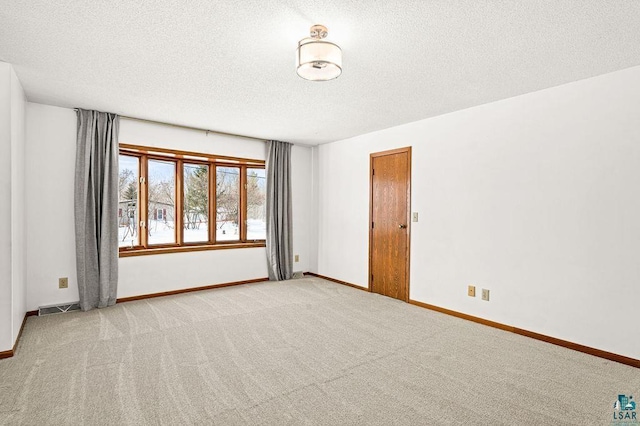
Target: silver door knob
(402, 226)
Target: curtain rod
(180, 126)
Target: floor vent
(298, 274)
(58, 309)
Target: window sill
(124, 252)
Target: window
(128, 180)
(155, 184)
(196, 203)
(161, 190)
(227, 203)
(256, 204)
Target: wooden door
(390, 206)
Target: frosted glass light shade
(318, 60)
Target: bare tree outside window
(128, 201)
(227, 203)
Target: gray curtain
(96, 208)
(279, 219)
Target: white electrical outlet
(485, 294)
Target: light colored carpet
(305, 351)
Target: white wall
(5, 208)
(302, 208)
(51, 249)
(50, 148)
(535, 198)
(315, 212)
(12, 238)
(18, 231)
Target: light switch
(415, 216)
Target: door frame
(408, 251)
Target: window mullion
(179, 206)
(143, 203)
(213, 224)
(243, 203)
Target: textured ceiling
(229, 65)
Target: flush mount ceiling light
(318, 59)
